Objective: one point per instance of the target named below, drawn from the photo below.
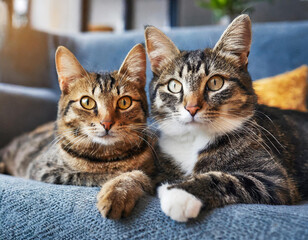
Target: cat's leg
(183, 200)
(119, 195)
(119, 192)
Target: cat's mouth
(105, 135)
(104, 139)
(194, 122)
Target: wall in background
(56, 15)
(189, 14)
(65, 15)
(150, 12)
(281, 10)
(107, 13)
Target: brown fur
(79, 148)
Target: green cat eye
(174, 86)
(215, 83)
(87, 103)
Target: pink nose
(106, 124)
(192, 109)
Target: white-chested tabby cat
(217, 145)
(98, 138)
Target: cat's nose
(106, 124)
(192, 109)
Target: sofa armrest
(24, 108)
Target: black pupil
(124, 102)
(215, 82)
(87, 101)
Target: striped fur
(230, 150)
(78, 149)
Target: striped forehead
(105, 83)
(192, 68)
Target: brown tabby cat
(98, 138)
(217, 145)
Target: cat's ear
(133, 67)
(161, 50)
(68, 68)
(236, 39)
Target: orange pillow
(285, 91)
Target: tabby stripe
(68, 107)
(144, 109)
(112, 81)
(198, 66)
(251, 187)
(206, 70)
(93, 90)
(181, 71)
(223, 96)
(156, 89)
(105, 80)
(129, 154)
(239, 83)
(98, 80)
(272, 188)
(189, 67)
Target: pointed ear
(133, 67)
(236, 39)
(161, 50)
(68, 68)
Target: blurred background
(101, 32)
(26, 25)
(121, 15)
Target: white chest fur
(184, 149)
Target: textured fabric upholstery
(33, 210)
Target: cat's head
(102, 109)
(208, 89)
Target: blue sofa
(35, 210)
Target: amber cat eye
(124, 102)
(215, 83)
(174, 86)
(87, 103)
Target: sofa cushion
(285, 91)
(276, 47)
(35, 210)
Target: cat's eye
(174, 86)
(124, 102)
(215, 83)
(87, 103)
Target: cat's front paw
(117, 198)
(178, 204)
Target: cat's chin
(180, 128)
(105, 140)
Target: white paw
(178, 204)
